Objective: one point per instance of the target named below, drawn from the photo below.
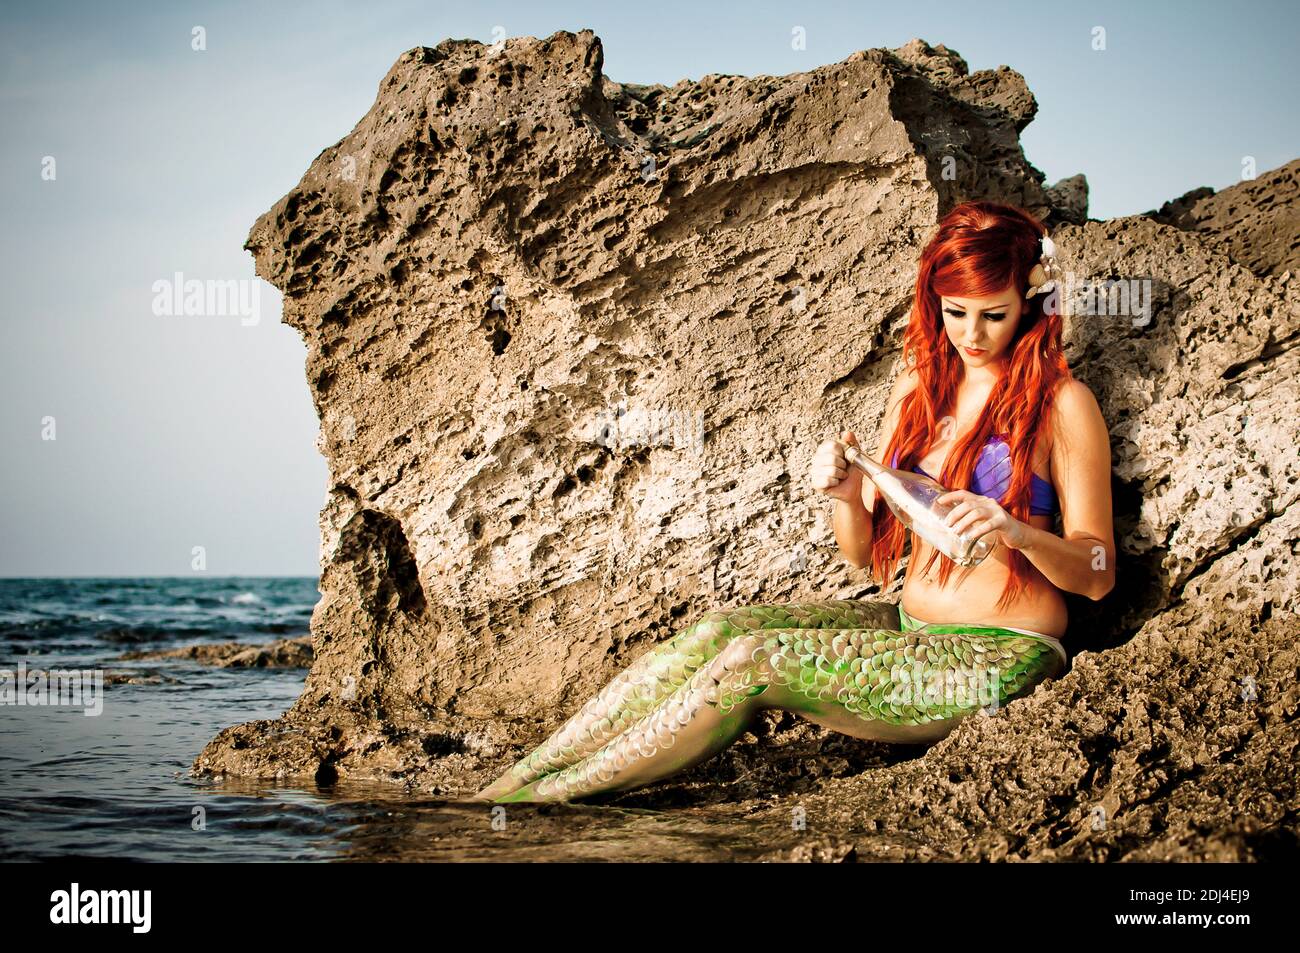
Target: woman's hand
(976, 515)
(832, 474)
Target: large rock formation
(573, 343)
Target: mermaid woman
(987, 402)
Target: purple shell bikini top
(993, 474)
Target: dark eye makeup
(991, 315)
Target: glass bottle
(911, 497)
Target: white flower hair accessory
(1043, 276)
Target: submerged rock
(282, 653)
(573, 343)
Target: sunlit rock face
(573, 343)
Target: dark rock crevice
(374, 549)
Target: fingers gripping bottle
(912, 497)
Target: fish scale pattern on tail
(848, 653)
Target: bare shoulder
(904, 383)
(1079, 433)
(1076, 407)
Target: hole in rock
(374, 550)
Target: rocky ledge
(572, 344)
(282, 653)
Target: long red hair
(979, 250)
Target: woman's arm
(1082, 560)
(853, 522)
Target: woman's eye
(961, 314)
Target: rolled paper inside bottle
(940, 535)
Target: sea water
(116, 784)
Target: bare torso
(971, 595)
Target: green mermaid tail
(844, 664)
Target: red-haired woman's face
(988, 324)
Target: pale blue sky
(183, 431)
